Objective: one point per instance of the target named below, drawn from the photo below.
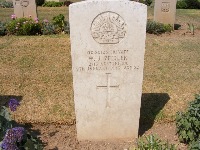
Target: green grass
(39, 69)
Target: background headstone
(165, 11)
(107, 48)
(25, 8)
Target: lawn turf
(38, 68)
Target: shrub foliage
(157, 28)
(60, 24)
(13, 137)
(188, 123)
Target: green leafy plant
(13, 137)
(188, 123)
(2, 28)
(52, 4)
(195, 145)
(23, 26)
(157, 28)
(60, 24)
(153, 143)
(191, 28)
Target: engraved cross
(108, 87)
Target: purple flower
(18, 132)
(13, 103)
(7, 146)
(12, 136)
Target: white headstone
(107, 48)
(165, 11)
(25, 8)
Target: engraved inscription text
(165, 6)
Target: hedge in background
(39, 2)
(5, 4)
(53, 4)
(188, 4)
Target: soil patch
(63, 137)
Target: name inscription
(108, 61)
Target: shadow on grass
(4, 99)
(34, 133)
(177, 26)
(151, 105)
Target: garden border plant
(157, 28)
(2, 28)
(28, 26)
(152, 142)
(188, 124)
(23, 26)
(12, 136)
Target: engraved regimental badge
(165, 6)
(108, 28)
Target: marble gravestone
(25, 8)
(107, 49)
(165, 11)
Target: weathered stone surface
(107, 48)
(25, 8)
(165, 11)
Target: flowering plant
(13, 16)
(23, 26)
(13, 137)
